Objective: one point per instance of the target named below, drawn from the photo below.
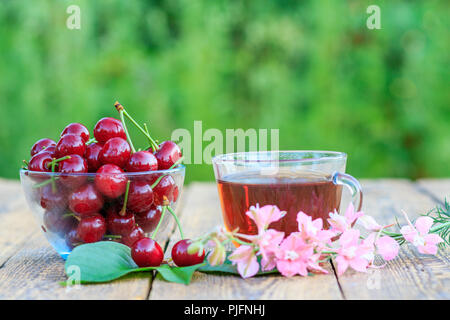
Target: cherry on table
(140, 196)
(148, 220)
(167, 154)
(111, 181)
(107, 128)
(76, 129)
(70, 144)
(40, 145)
(147, 252)
(136, 234)
(91, 228)
(115, 151)
(182, 258)
(74, 164)
(40, 162)
(119, 225)
(85, 200)
(92, 155)
(142, 161)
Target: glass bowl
(59, 201)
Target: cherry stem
(125, 200)
(177, 221)
(159, 222)
(71, 215)
(153, 144)
(51, 164)
(112, 236)
(42, 184)
(91, 141)
(120, 108)
(55, 161)
(126, 130)
(54, 190)
(166, 174)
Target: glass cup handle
(353, 185)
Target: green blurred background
(310, 68)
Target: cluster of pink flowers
(304, 251)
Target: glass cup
(308, 181)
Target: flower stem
(177, 221)
(125, 200)
(159, 222)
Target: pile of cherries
(110, 204)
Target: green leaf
(107, 260)
(100, 261)
(178, 274)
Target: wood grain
(411, 275)
(439, 189)
(201, 214)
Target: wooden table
(31, 269)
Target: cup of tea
(308, 181)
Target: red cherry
(77, 129)
(92, 155)
(169, 153)
(56, 222)
(165, 188)
(135, 235)
(148, 220)
(40, 162)
(54, 200)
(50, 149)
(147, 252)
(75, 164)
(120, 225)
(111, 181)
(41, 145)
(85, 200)
(70, 144)
(108, 128)
(142, 161)
(72, 237)
(182, 258)
(91, 228)
(115, 151)
(140, 196)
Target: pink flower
(245, 258)
(419, 235)
(312, 231)
(264, 216)
(369, 223)
(294, 256)
(351, 253)
(387, 247)
(341, 223)
(268, 246)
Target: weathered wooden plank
(411, 275)
(437, 188)
(18, 223)
(201, 213)
(31, 268)
(36, 271)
